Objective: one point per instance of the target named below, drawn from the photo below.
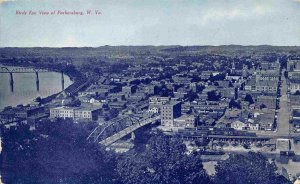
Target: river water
(25, 88)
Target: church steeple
(233, 67)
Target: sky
(150, 22)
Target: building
(155, 103)
(266, 86)
(153, 109)
(264, 81)
(181, 79)
(205, 75)
(238, 125)
(116, 96)
(233, 76)
(147, 89)
(86, 113)
(180, 94)
(223, 83)
(266, 121)
(170, 111)
(266, 65)
(294, 85)
(228, 93)
(186, 121)
(7, 115)
(293, 66)
(128, 90)
(194, 86)
(295, 119)
(117, 105)
(10, 114)
(62, 112)
(245, 71)
(268, 101)
(294, 100)
(283, 145)
(138, 96)
(27, 112)
(253, 126)
(270, 75)
(75, 113)
(250, 85)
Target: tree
(234, 104)
(297, 93)
(163, 161)
(218, 77)
(262, 106)
(192, 96)
(213, 96)
(38, 99)
(286, 74)
(253, 168)
(195, 78)
(56, 153)
(164, 91)
(249, 99)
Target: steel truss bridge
(119, 127)
(26, 70)
(21, 70)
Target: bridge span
(119, 128)
(4, 69)
(13, 70)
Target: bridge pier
(37, 81)
(62, 81)
(11, 81)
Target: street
(283, 113)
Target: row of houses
(295, 119)
(261, 121)
(293, 69)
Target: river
(25, 88)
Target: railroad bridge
(118, 128)
(11, 71)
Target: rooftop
(172, 103)
(296, 113)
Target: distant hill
(141, 52)
(124, 49)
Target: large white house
(75, 113)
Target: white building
(294, 85)
(75, 113)
(153, 109)
(62, 112)
(185, 121)
(155, 103)
(238, 125)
